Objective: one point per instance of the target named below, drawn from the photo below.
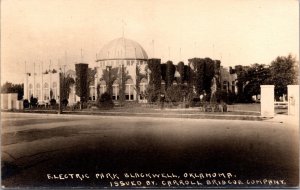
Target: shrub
(26, 103)
(195, 102)
(64, 102)
(152, 95)
(52, 102)
(105, 101)
(33, 102)
(176, 93)
(231, 97)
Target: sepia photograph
(192, 94)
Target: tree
(81, 82)
(242, 80)
(65, 87)
(197, 74)
(9, 87)
(256, 75)
(283, 73)
(123, 76)
(249, 80)
(180, 69)
(154, 87)
(109, 75)
(91, 78)
(139, 77)
(170, 71)
(209, 73)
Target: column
(293, 100)
(267, 100)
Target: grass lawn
(135, 108)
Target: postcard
(149, 94)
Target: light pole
(60, 92)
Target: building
(43, 86)
(125, 64)
(228, 80)
(115, 55)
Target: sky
(35, 33)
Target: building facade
(43, 86)
(124, 61)
(119, 54)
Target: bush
(105, 101)
(64, 102)
(26, 103)
(231, 98)
(33, 102)
(195, 102)
(176, 93)
(52, 102)
(152, 95)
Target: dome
(122, 48)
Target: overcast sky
(234, 31)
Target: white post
(267, 100)
(293, 100)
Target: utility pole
(60, 99)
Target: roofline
(121, 59)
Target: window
(116, 90)
(30, 92)
(92, 93)
(38, 91)
(54, 91)
(102, 87)
(129, 89)
(128, 63)
(46, 91)
(143, 87)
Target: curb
(154, 115)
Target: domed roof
(122, 48)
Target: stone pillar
(19, 104)
(11, 100)
(293, 100)
(267, 100)
(4, 102)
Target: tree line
(281, 72)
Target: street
(34, 145)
